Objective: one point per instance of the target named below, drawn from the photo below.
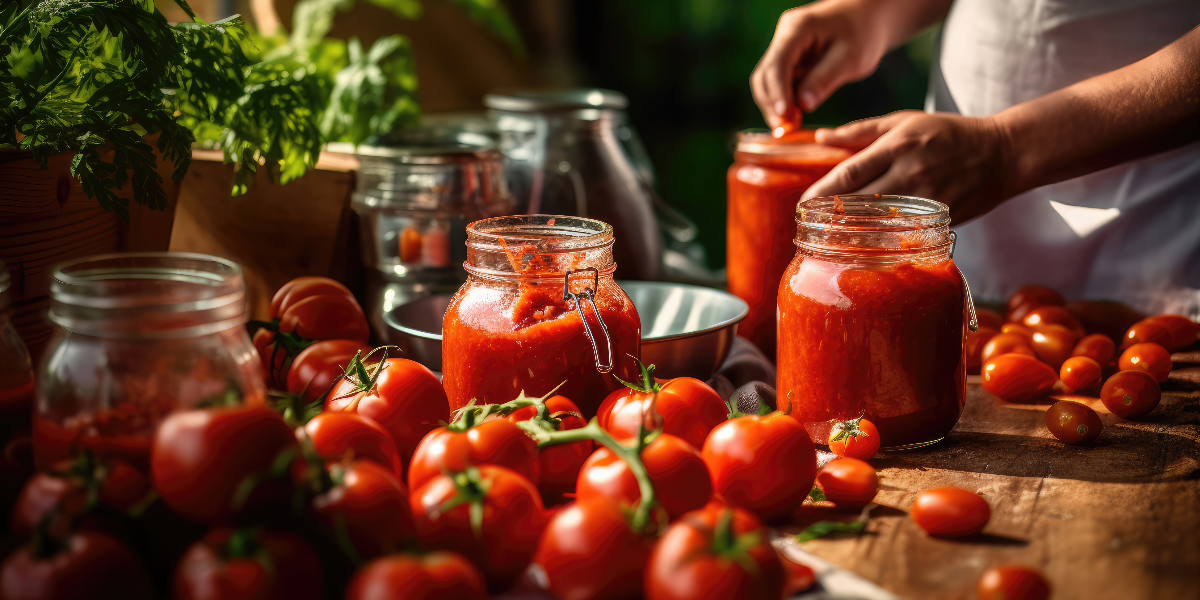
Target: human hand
(961, 161)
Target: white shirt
(1128, 233)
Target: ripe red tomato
(715, 552)
(1017, 328)
(1053, 344)
(319, 366)
(1053, 315)
(503, 541)
(763, 464)
(1029, 297)
(1146, 331)
(848, 481)
(800, 578)
(1017, 378)
(1073, 422)
(973, 346)
(856, 438)
(680, 478)
(433, 576)
(1130, 394)
(1149, 357)
(301, 288)
(248, 565)
(407, 400)
(119, 487)
(989, 318)
(559, 465)
(306, 309)
(326, 318)
(1183, 331)
(589, 551)
(1097, 347)
(497, 442)
(91, 565)
(1006, 343)
(336, 435)
(370, 503)
(950, 512)
(1080, 373)
(200, 457)
(1012, 582)
(689, 409)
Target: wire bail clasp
(972, 320)
(590, 296)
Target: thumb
(860, 134)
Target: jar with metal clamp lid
(539, 309)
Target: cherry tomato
(336, 435)
(1053, 344)
(1017, 378)
(433, 576)
(950, 512)
(1073, 422)
(199, 458)
(856, 438)
(589, 551)
(715, 552)
(1012, 583)
(407, 400)
(248, 565)
(1029, 297)
(1183, 331)
(1053, 315)
(1130, 394)
(319, 366)
(1017, 328)
(370, 504)
(559, 465)
(973, 346)
(90, 565)
(680, 478)
(689, 409)
(1080, 373)
(989, 318)
(763, 464)
(1146, 331)
(1097, 347)
(498, 442)
(848, 481)
(1006, 343)
(503, 541)
(1149, 357)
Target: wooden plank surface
(1118, 519)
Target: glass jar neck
(538, 247)
(874, 229)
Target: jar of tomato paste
(872, 317)
(138, 336)
(765, 182)
(539, 308)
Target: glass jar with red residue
(872, 318)
(539, 308)
(16, 402)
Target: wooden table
(1118, 519)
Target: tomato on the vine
(764, 464)
(117, 485)
(1130, 394)
(689, 408)
(366, 503)
(451, 449)
(855, 438)
(1080, 373)
(588, 550)
(88, 565)
(848, 481)
(680, 477)
(1012, 582)
(432, 576)
(1149, 357)
(248, 565)
(1017, 378)
(1073, 422)
(1098, 347)
(559, 465)
(336, 435)
(319, 366)
(302, 311)
(950, 512)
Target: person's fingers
(777, 70)
(860, 134)
(758, 90)
(854, 173)
(830, 72)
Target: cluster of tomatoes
(1042, 348)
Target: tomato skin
(498, 442)
(1098, 347)
(1012, 582)
(372, 505)
(513, 519)
(326, 318)
(1053, 344)
(1053, 315)
(1130, 394)
(122, 488)
(1017, 378)
(863, 446)
(848, 481)
(200, 457)
(1182, 330)
(950, 512)
(680, 477)
(989, 318)
(1149, 357)
(1073, 423)
(1017, 328)
(800, 578)
(683, 565)
(689, 409)
(407, 400)
(589, 552)
(315, 370)
(1080, 373)
(764, 464)
(559, 465)
(433, 576)
(973, 346)
(334, 435)
(1029, 297)
(93, 566)
(289, 569)
(1006, 343)
(1146, 331)
(305, 287)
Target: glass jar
(138, 335)
(872, 319)
(539, 308)
(763, 185)
(16, 403)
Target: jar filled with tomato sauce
(764, 184)
(539, 308)
(139, 336)
(872, 319)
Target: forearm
(899, 20)
(1148, 107)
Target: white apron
(1128, 233)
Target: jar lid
(539, 100)
(799, 144)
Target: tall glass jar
(763, 185)
(138, 336)
(16, 403)
(872, 318)
(539, 308)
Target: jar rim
(872, 212)
(551, 233)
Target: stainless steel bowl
(687, 330)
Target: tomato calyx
(762, 409)
(822, 529)
(294, 410)
(648, 385)
(847, 429)
(361, 376)
(727, 545)
(470, 488)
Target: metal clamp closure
(972, 319)
(590, 296)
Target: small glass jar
(539, 308)
(16, 390)
(138, 336)
(766, 180)
(872, 319)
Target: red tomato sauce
(17, 402)
(124, 432)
